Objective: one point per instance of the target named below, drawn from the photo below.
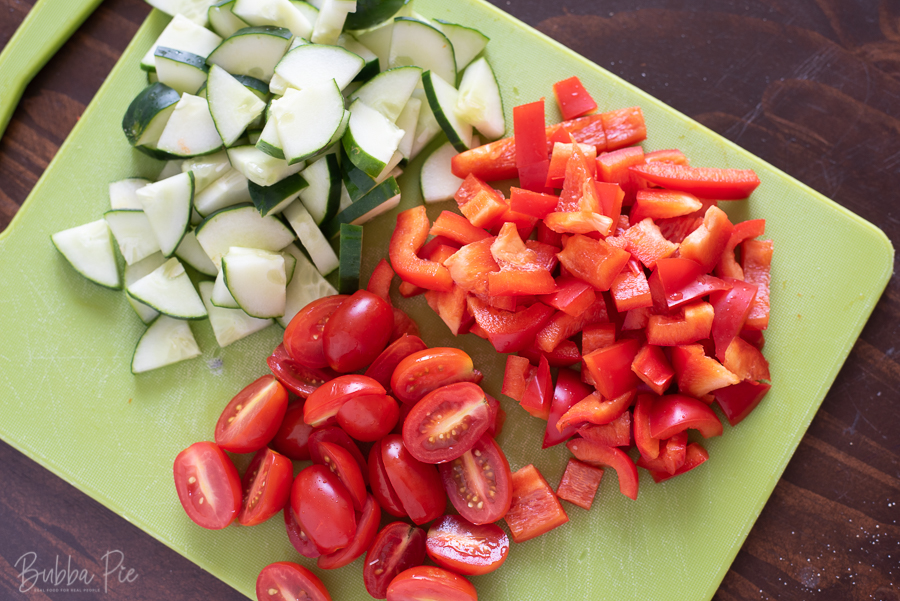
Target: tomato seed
(192, 480)
(272, 591)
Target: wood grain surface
(812, 86)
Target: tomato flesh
(253, 416)
(383, 366)
(292, 438)
(368, 418)
(208, 485)
(341, 463)
(323, 508)
(466, 548)
(324, 404)
(297, 536)
(266, 487)
(357, 332)
(288, 581)
(366, 530)
(397, 548)
(297, 378)
(303, 338)
(446, 423)
(417, 484)
(478, 482)
(428, 583)
(337, 436)
(429, 369)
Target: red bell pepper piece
(450, 306)
(671, 455)
(623, 127)
(534, 177)
(594, 409)
(457, 228)
(694, 455)
(697, 374)
(636, 319)
(593, 261)
(673, 156)
(693, 323)
(525, 224)
(559, 159)
(533, 204)
(521, 271)
(610, 197)
(535, 509)
(754, 337)
(616, 433)
(731, 309)
(597, 335)
(579, 483)
(646, 444)
(610, 368)
(614, 167)
(647, 244)
(572, 296)
(481, 204)
(509, 332)
(408, 290)
(677, 282)
(652, 367)
(562, 326)
(746, 361)
(756, 259)
(742, 231)
(675, 413)
(631, 291)
(539, 391)
(565, 354)
(599, 455)
(572, 98)
(547, 236)
(702, 182)
(663, 204)
(530, 134)
(470, 265)
(518, 371)
(705, 244)
(568, 391)
(676, 229)
(407, 239)
(380, 280)
(737, 401)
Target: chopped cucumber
(207, 169)
(271, 200)
(371, 68)
(252, 51)
(133, 234)
(443, 98)
(414, 42)
(306, 286)
(166, 341)
(308, 119)
(311, 238)
(182, 71)
(229, 325)
(371, 138)
(322, 195)
(222, 20)
(171, 168)
(389, 92)
(280, 13)
(309, 11)
(148, 114)
(467, 42)
(190, 130)
(351, 258)
(191, 253)
(437, 181)
(407, 120)
(122, 193)
(89, 249)
(316, 64)
(135, 272)
(241, 226)
(372, 12)
(229, 190)
(427, 126)
(221, 297)
(182, 34)
(168, 205)
(479, 103)
(381, 199)
(257, 281)
(260, 168)
(330, 22)
(169, 290)
(232, 106)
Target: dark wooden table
(812, 86)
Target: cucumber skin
(144, 108)
(263, 196)
(439, 115)
(372, 12)
(348, 271)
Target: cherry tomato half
(381, 485)
(303, 338)
(266, 487)
(357, 332)
(370, 417)
(341, 462)
(447, 422)
(417, 484)
(252, 417)
(297, 378)
(288, 581)
(338, 437)
(423, 583)
(366, 530)
(208, 485)
(397, 548)
(324, 403)
(478, 483)
(297, 536)
(466, 548)
(292, 439)
(323, 508)
(384, 365)
(427, 370)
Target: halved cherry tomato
(381, 485)
(297, 536)
(466, 548)
(675, 413)
(208, 485)
(292, 439)
(593, 453)
(366, 530)
(397, 548)
(326, 401)
(357, 331)
(569, 390)
(297, 378)
(403, 325)
(535, 509)
(323, 508)
(288, 581)
(303, 336)
(368, 418)
(383, 366)
(429, 369)
(253, 416)
(447, 422)
(579, 483)
(417, 484)
(425, 583)
(337, 436)
(341, 463)
(478, 483)
(266, 487)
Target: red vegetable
(572, 98)
(579, 483)
(534, 509)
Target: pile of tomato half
(629, 305)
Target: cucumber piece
(229, 190)
(371, 138)
(221, 297)
(442, 98)
(229, 325)
(169, 290)
(135, 272)
(182, 71)
(467, 42)
(206, 169)
(322, 195)
(309, 11)
(308, 119)
(166, 341)
(122, 193)
(311, 65)
(278, 86)
(151, 77)
(271, 200)
(190, 130)
(257, 86)
(407, 122)
(241, 226)
(479, 103)
(269, 141)
(89, 249)
(222, 20)
(182, 34)
(290, 264)
(232, 106)
(147, 115)
(311, 237)
(356, 182)
(351, 258)
(280, 13)
(252, 51)
(330, 22)
(414, 42)
(257, 281)
(389, 92)
(306, 285)
(195, 10)
(191, 253)
(371, 66)
(253, 136)
(260, 168)
(372, 12)
(133, 234)
(381, 199)
(168, 205)
(171, 168)
(427, 126)
(436, 180)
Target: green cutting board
(71, 403)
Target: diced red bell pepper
(754, 337)
(673, 156)
(705, 244)
(631, 291)
(535, 509)
(600, 455)
(380, 280)
(469, 266)
(693, 323)
(676, 229)
(539, 391)
(610, 197)
(408, 237)
(646, 444)
(408, 290)
(647, 243)
(546, 253)
(614, 167)
(675, 413)
(562, 326)
(746, 361)
(623, 127)
(737, 401)
(568, 391)
(548, 236)
(731, 309)
(562, 152)
(694, 455)
(662, 204)
(572, 98)
(578, 222)
(594, 409)
(451, 307)
(572, 296)
(744, 230)
(525, 224)
(579, 483)
(636, 319)
(520, 269)
(530, 134)
(534, 177)
(678, 282)
(518, 371)
(756, 259)
(457, 228)
(652, 367)
(593, 261)
(506, 303)
(610, 368)
(671, 455)
(565, 354)
(533, 204)
(481, 204)
(597, 335)
(697, 374)
(702, 182)
(616, 433)
(510, 332)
